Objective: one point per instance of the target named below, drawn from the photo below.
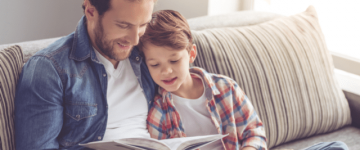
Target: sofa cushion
(236, 19)
(349, 135)
(284, 67)
(29, 48)
(11, 63)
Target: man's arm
(38, 106)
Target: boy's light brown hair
(167, 28)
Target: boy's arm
(38, 106)
(156, 120)
(250, 129)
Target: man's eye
(144, 25)
(122, 26)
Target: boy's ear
(193, 53)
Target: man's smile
(124, 47)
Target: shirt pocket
(80, 110)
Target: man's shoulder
(58, 49)
(58, 55)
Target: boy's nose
(166, 70)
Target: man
(87, 86)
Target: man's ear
(193, 53)
(90, 11)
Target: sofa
(281, 63)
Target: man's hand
(248, 148)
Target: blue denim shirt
(61, 94)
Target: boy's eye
(154, 65)
(174, 61)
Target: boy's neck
(192, 89)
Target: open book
(185, 143)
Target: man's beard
(104, 45)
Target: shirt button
(137, 58)
(99, 137)
(104, 75)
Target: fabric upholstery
(349, 135)
(11, 62)
(236, 19)
(284, 67)
(29, 48)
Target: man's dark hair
(101, 5)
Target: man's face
(119, 28)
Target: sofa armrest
(350, 84)
(354, 104)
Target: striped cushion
(11, 62)
(285, 69)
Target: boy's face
(168, 67)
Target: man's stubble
(104, 45)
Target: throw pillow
(284, 67)
(11, 63)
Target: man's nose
(134, 36)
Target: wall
(24, 20)
(27, 20)
(188, 8)
(217, 7)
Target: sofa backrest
(29, 48)
(236, 19)
(284, 67)
(11, 62)
(287, 92)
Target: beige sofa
(280, 62)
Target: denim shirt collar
(82, 48)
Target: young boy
(193, 102)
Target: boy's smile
(170, 81)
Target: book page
(128, 144)
(144, 142)
(188, 143)
(110, 146)
(185, 143)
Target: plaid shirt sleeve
(250, 130)
(155, 120)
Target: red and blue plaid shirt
(230, 110)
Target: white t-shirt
(127, 105)
(196, 119)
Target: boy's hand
(248, 148)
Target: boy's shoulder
(212, 78)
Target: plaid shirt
(230, 110)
